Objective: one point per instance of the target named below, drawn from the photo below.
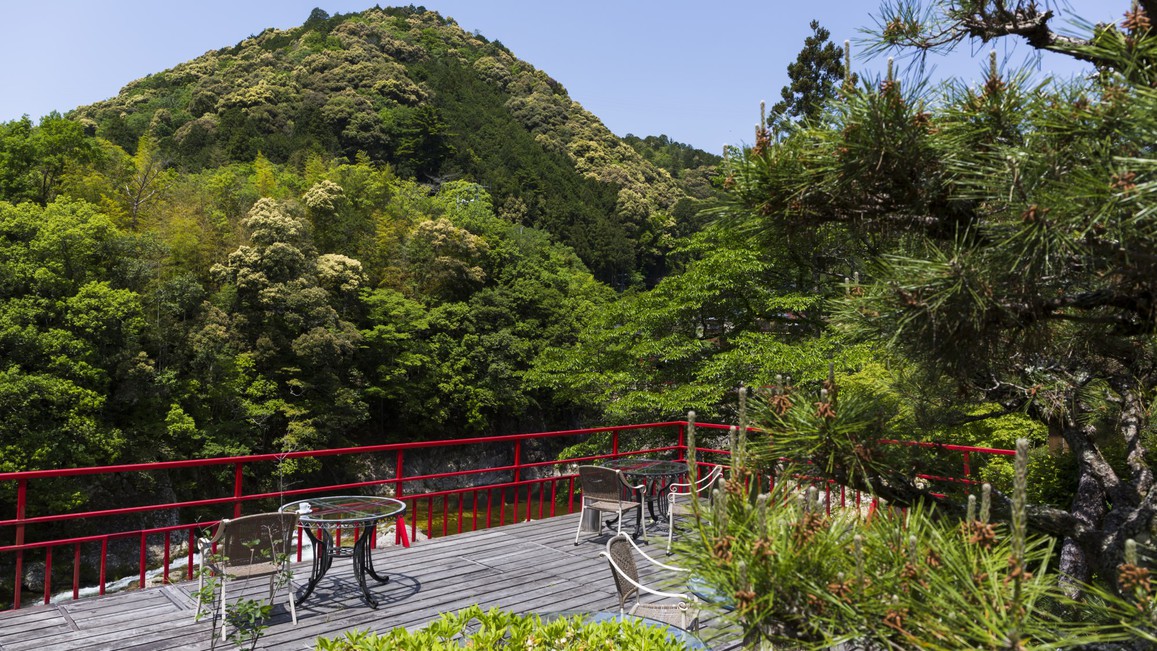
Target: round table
(655, 475)
(323, 519)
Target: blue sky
(693, 70)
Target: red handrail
(558, 482)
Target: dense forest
(374, 227)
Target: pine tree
(1009, 253)
(814, 76)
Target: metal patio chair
(605, 489)
(620, 554)
(247, 547)
(679, 498)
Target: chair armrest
(205, 548)
(653, 561)
(218, 532)
(643, 588)
(701, 484)
(623, 480)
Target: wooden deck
(526, 567)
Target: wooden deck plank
(525, 567)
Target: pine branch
(1028, 23)
(1081, 440)
(903, 491)
(1131, 425)
(1139, 305)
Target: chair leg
(582, 514)
(292, 605)
(670, 526)
(200, 587)
(224, 610)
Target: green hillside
(365, 229)
(410, 88)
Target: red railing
(765, 482)
(517, 490)
(520, 489)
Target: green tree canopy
(1009, 232)
(814, 78)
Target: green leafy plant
(790, 573)
(498, 629)
(245, 619)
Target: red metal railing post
(144, 549)
(165, 565)
(400, 524)
(615, 443)
(967, 466)
(682, 444)
(21, 505)
(518, 478)
(47, 575)
(192, 547)
(103, 563)
(76, 571)
(237, 475)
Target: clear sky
(694, 70)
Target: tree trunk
(1088, 508)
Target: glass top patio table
(649, 468)
(707, 592)
(321, 517)
(655, 475)
(345, 509)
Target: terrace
(503, 538)
(525, 567)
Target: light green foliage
(800, 577)
(66, 335)
(457, 356)
(410, 89)
(145, 177)
(725, 319)
(497, 629)
(301, 348)
(34, 159)
(443, 259)
(1009, 223)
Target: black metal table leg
(369, 563)
(322, 559)
(364, 564)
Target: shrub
(497, 629)
(914, 579)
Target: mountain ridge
(410, 88)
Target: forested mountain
(361, 230)
(410, 88)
